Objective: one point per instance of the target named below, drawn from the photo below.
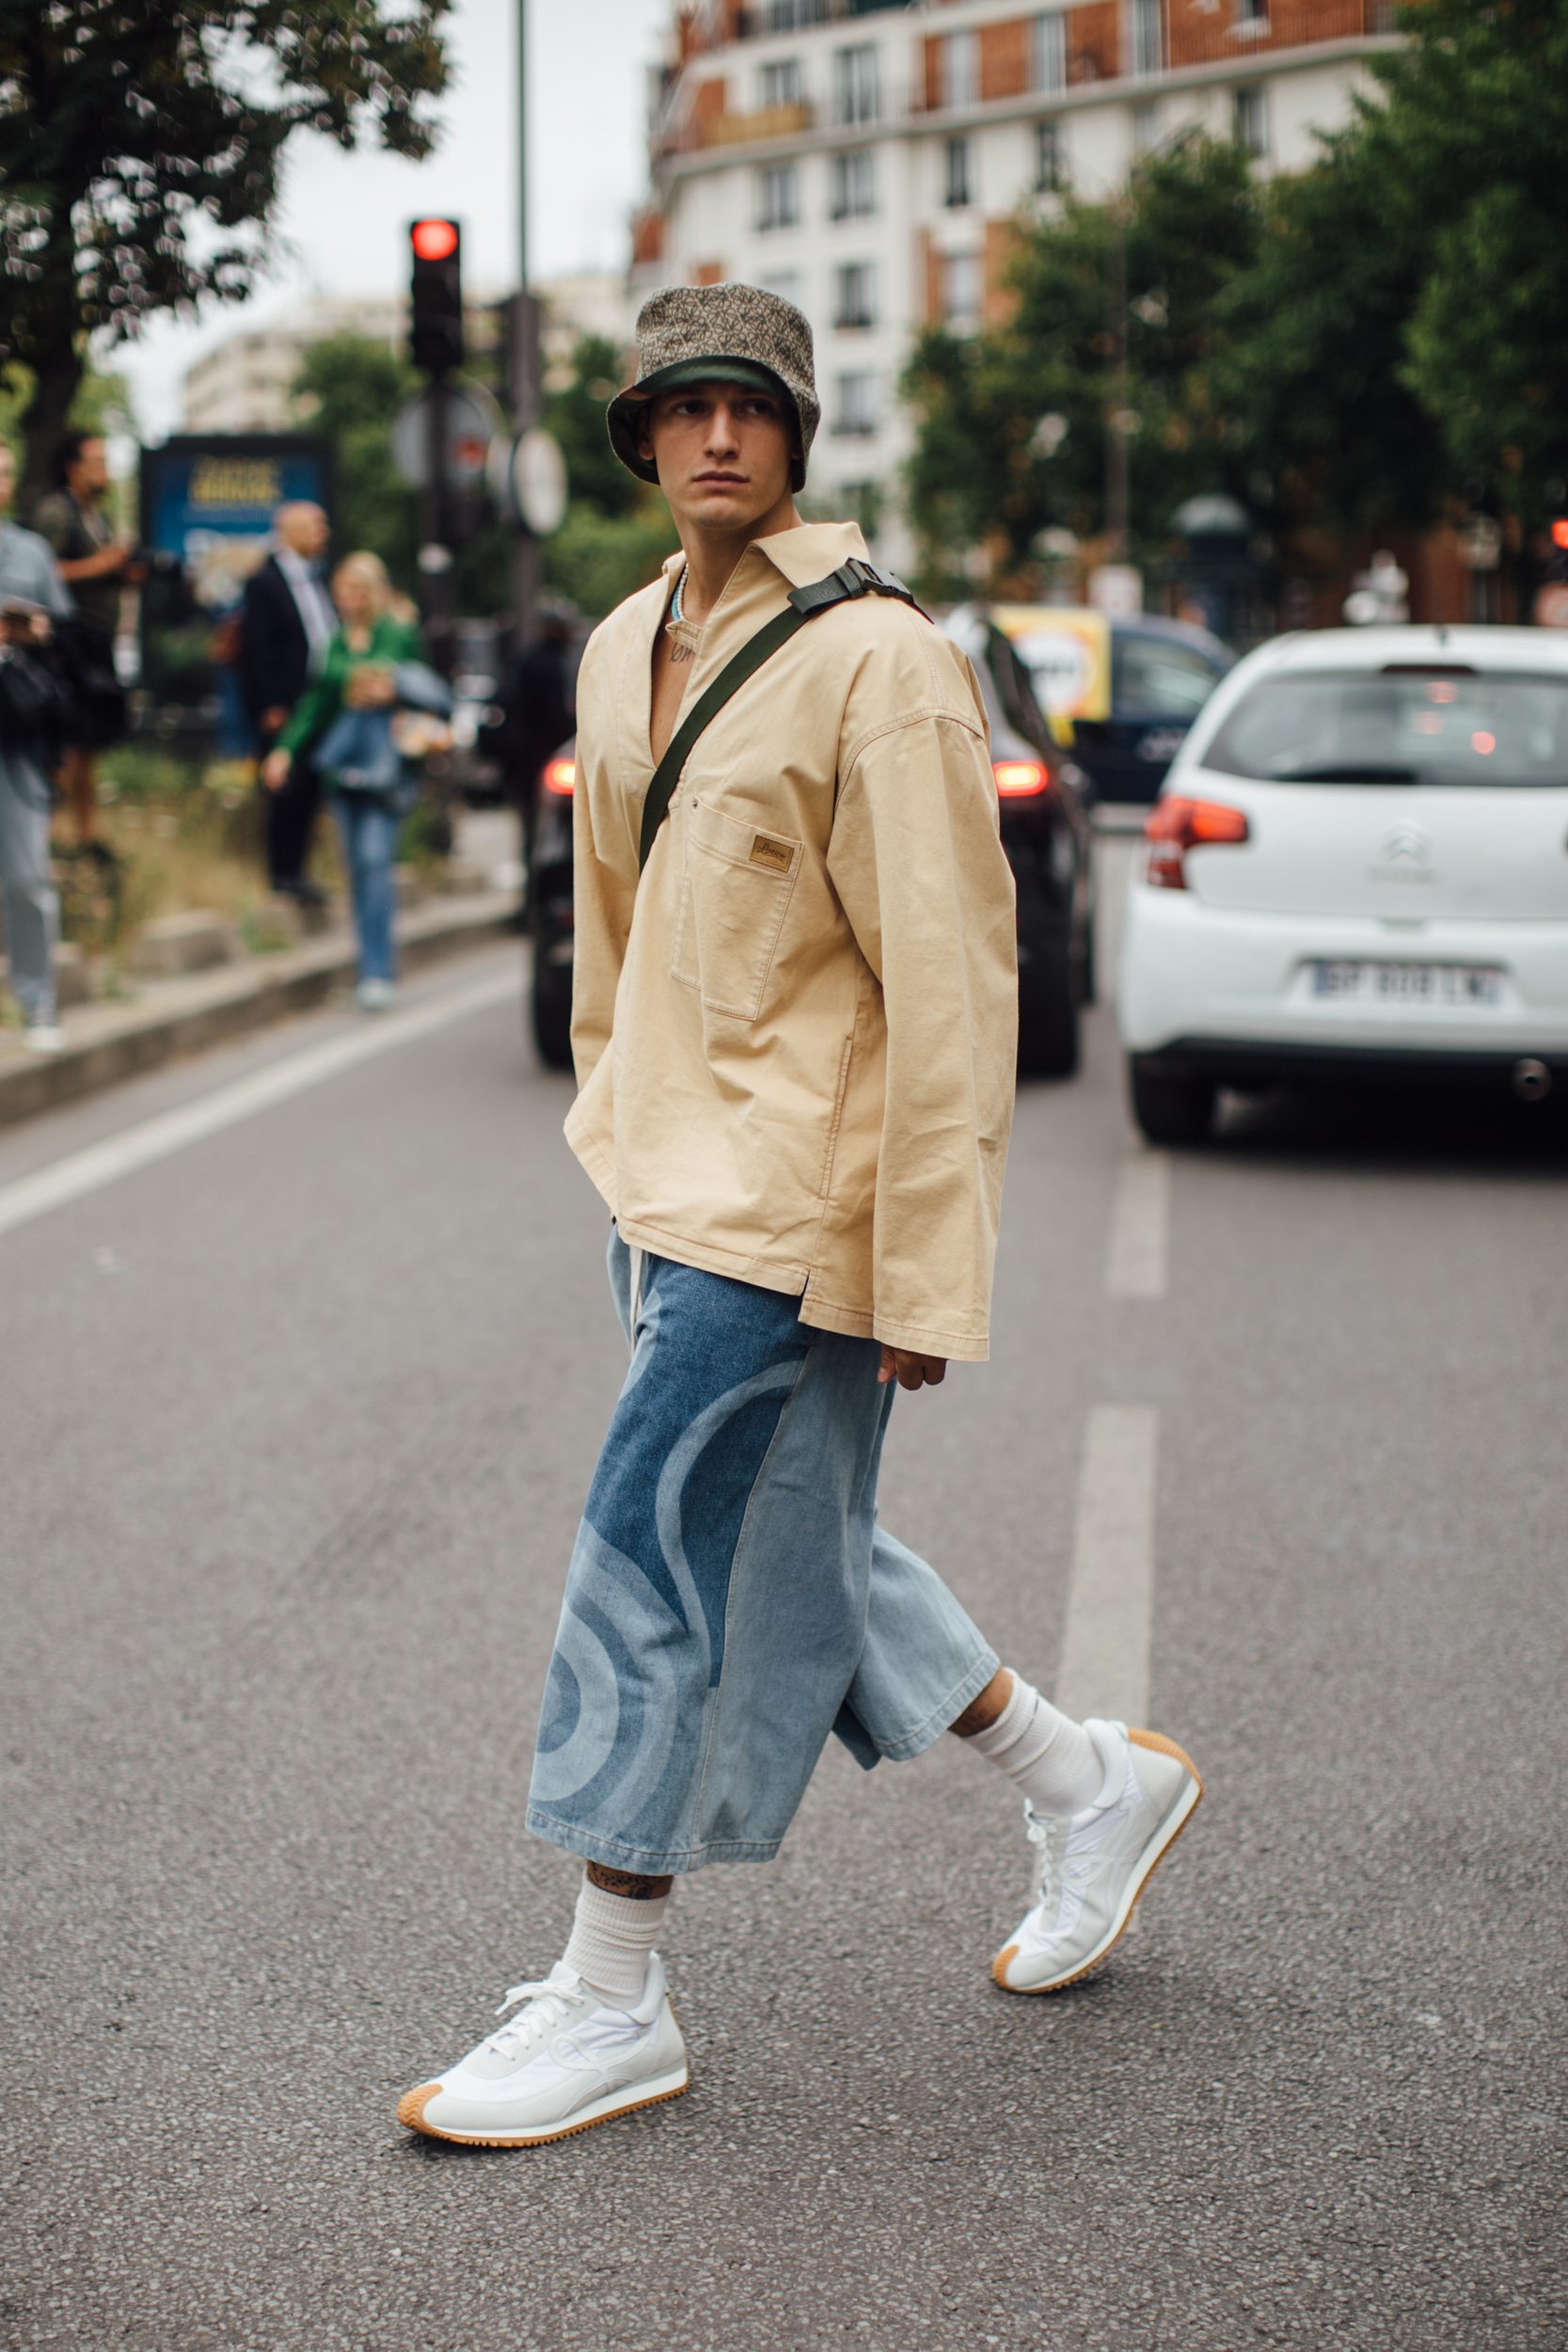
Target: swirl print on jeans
(715, 1623)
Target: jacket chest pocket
(736, 888)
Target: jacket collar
(808, 552)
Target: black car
(1045, 832)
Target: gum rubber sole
(411, 2107)
(1157, 1741)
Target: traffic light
(435, 321)
(1557, 563)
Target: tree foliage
(140, 150)
(991, 458)
(617, 530)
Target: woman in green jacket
(372, 665)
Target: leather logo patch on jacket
(775, 853)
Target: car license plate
(1366, 983)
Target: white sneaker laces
(1064, 1869)
(548, 2010)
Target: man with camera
(31, 591)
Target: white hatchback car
(1358, 863)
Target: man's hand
(910, 1369)
(275, 770)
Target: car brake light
(1176, 826)
(561, 775)
(1015, 777)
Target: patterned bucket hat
(723, 335)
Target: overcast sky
(345, 216)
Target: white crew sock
(1044, 1753)
(612, 1937)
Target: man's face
(302, 527)
(723, 453)
(89, 475)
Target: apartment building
(868, 158)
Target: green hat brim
(623, 415)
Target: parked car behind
(1045, 832)
(1358, 867)
(1131, 689)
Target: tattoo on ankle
(627, 1884)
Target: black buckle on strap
(859, 577)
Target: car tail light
(1016, 777)
(1177, 826)
(561, 775)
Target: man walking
(289, 623)
(795, 1030)
(96, 563)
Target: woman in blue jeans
(374, 670)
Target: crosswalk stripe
(151, 1139)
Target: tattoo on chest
(680, 652)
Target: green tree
(617, 530)
(1012, 422)
(1316, 366)
(348, 390)
(126, 126)
(1466, 154)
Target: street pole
(1115, 422)
(522, 326)
(435, 556)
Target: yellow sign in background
(1066, 651)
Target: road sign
(472, 422)
(529, 482)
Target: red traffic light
(1559, 532)
(434, 240)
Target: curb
(106, 1042)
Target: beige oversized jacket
(795, 1037)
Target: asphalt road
(295, 1423)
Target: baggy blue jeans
(368, 827)
(731, 1598)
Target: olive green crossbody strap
(857, 578)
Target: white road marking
(1138, 1253)
(1104, 1665)
(152, 1140)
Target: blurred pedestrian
(31, 591)
(97, 563)
(373, 675)
(538, 711)
(289, 623)
(795, 1027)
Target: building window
(1252, 120)
(1049, 167)
(963, 291)
(855, 83)
(777, 196)
(857, 404)
(780, 85)
(960, 70)
(959, 185)
(1252, 20)
(1048, 53)
(854, 304)
(1149, 44)
(852, 187)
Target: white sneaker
(43, 1037)
(1093, 1867)
(376, 996)
(567, 2062)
